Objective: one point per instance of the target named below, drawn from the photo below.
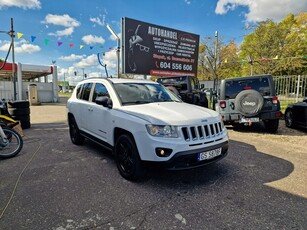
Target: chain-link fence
(290, 89)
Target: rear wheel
(271, 126)
(75, 136)
(127, 158)
(289, 118)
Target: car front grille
(208, 132)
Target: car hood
(175, 113)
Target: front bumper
(189, 159)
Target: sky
(70, 33)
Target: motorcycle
(11, 141)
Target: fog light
(163, 152)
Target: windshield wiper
(135, 102)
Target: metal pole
(83, 73)
(117, 52)
(215, 48)
(13, 58)
(298, 88)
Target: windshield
(140, 93)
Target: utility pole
(12, 34)
(215, 49)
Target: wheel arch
(119, 131)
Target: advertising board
(158, 51)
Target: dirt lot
(287, 144)
(261, 184)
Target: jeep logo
(249, 103)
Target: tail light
(223, 104)
(275, 100)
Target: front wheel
(127, 158)
(289, 118)
(11, 145)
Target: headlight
(162, 130)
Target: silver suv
(247, 100)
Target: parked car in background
(296, 114)
(143, 122)
(246, 100)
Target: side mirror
(104, 101)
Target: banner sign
(158, 51)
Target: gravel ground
(284, 134)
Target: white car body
(100, 123)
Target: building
(31, 81)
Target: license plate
(209, 154)
(250, 119)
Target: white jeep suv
(143, 122)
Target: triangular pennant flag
(46, 41)
(33, 38)
(60, 43)
(91, 47)
(71, 45)
(19, 35)
(81, 47)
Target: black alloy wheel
(127, 158)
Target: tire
(249, 102)
(13, 146)
(127, 158)
(19, 111)
(271, 126)
(24, 121)
(173, 90)
(74, 132)
(289, 118)
(18, 104)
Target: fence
(290, 89)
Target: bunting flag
(81, 47)
(60, 43)
(19, 35)
(46, 41)
(33, 38)
(91, 47)
(71, 45)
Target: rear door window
(86, 91)
(234, 87)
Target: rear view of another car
(247, 100)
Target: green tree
(229, 62)
(276, 48)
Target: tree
(277, 48)
(229, 64)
